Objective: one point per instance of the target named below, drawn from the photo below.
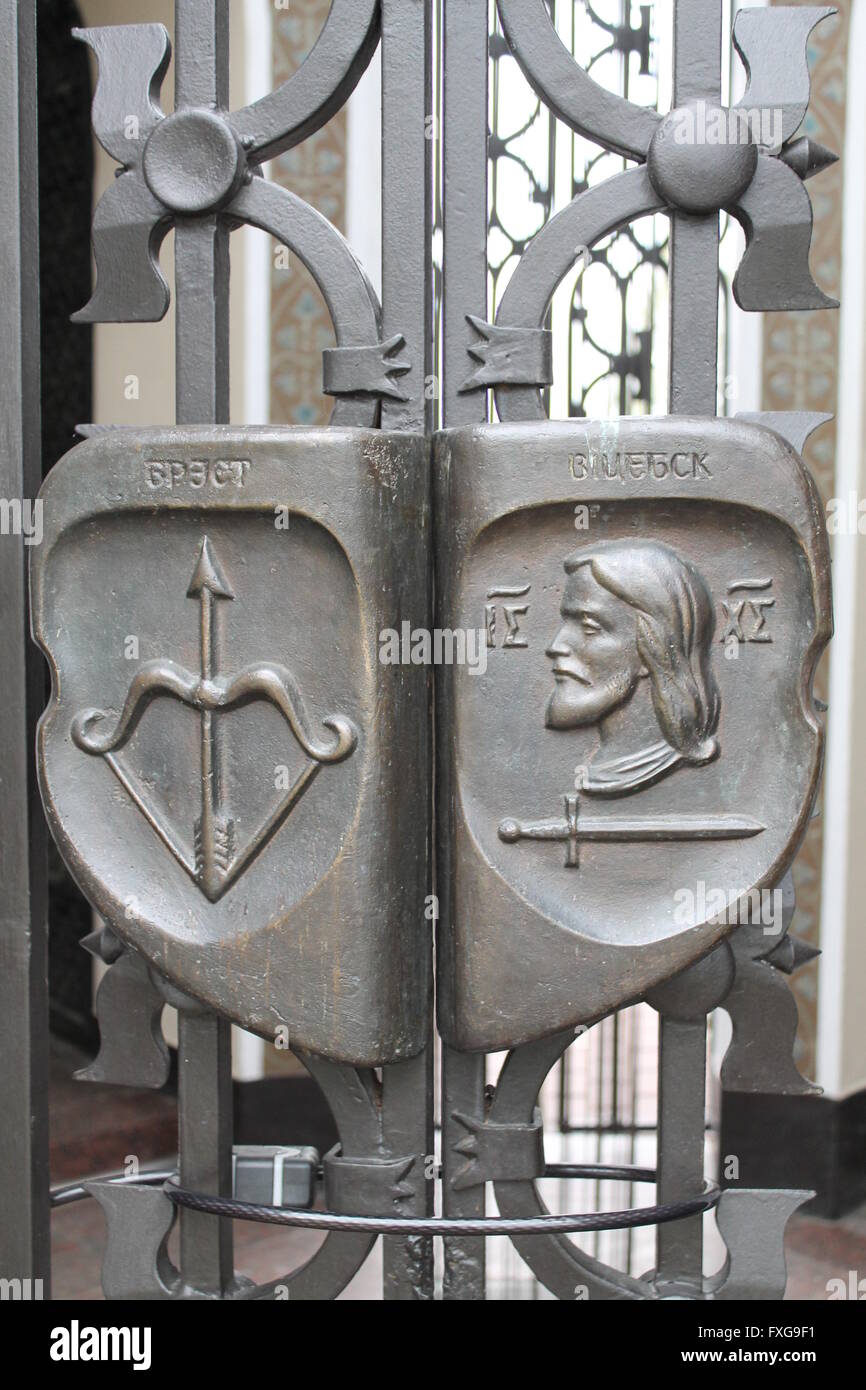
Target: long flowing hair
(674, 635)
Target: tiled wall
(800, 372)
(316, 171)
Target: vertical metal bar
(202, 396)
(24, 1209)
(201, 53)
(601, 1033)
(694, 295)
(463, 1077)
(201, 247)
(464, 206)
(204, 1105)
(407, 1088)
(694, 311)
(694, 253)
(633, 1121)
(682, 1085)
(407, 201)
(464, 291)
(201, 263)
(407, 1108)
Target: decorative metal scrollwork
(200, 167)
(198, 161)
(677, 172)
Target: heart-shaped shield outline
(313, 922)
(518, 958)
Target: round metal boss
(192, 162)
(701, 158)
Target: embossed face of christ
(633, 656)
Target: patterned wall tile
(316, 171)
(800, 370)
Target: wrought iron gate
(623, 617)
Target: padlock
(237, 782)
(631, 771)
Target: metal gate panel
(249, 827)
(564, 853)
(307, 904)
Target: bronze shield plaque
(234, 779)
(643, 744)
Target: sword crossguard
(554, 829)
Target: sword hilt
(554, 828)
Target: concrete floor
(817, 1252)
(97, 1128)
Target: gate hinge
(497, 1152)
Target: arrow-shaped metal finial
(807, 157)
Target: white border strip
(837, 912)
(364, 171)
(253, 362)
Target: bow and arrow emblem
(218, 860)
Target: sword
(574, 828)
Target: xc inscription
(745, 611)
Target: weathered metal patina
(655, 594)
(224, 758)
(243, 788)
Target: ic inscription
(511, 614)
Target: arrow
(217, 860)
(213, 834)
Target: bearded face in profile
(632, 656)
